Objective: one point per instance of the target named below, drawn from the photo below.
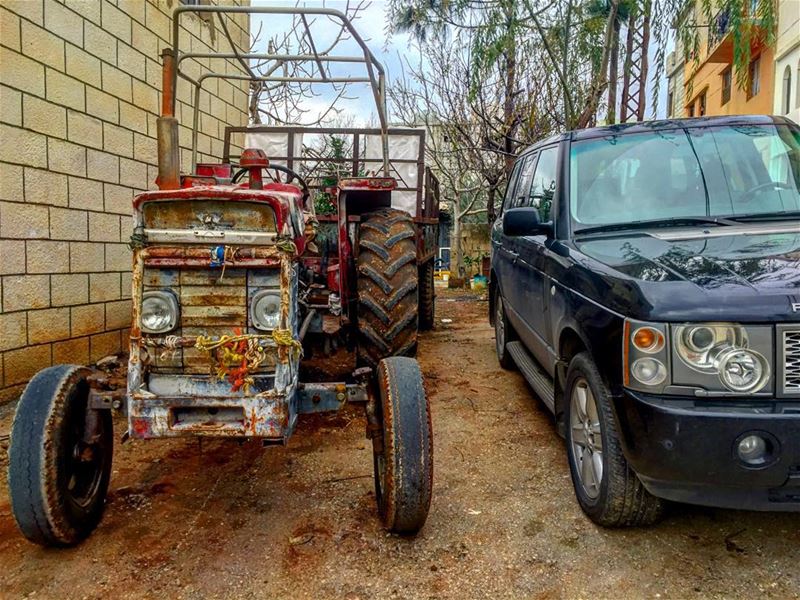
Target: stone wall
(79, 95)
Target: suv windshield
(715, 171)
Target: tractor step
(538, 379)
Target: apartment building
(787, 61)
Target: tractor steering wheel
(292, 175)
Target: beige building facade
(79, 95)
(787, 61)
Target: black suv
(646, 282)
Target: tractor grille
(209, 306)
(790, 347)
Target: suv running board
(540, 381)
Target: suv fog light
(743, 370)
(159, 312)
(649, 371)
(756, 450)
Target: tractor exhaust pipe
(169, 159)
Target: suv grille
(791, 363)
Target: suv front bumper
(685, 450)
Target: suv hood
(745, 275)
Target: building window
(702, 103)
(670, 105)
(787, 90)
(754, 72)
(691, 110)
(727, 83)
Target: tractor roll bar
(168, 152)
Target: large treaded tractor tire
(387, 286)
(58, 479)
(427, 297)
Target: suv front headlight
(712, 358)
(159, 312)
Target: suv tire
(607, 489)
(503, 333)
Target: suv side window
(521, 197)
(510, 187)
(543, 186)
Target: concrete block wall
(80, 85)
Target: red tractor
(248, 311)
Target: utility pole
(634, 85)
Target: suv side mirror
(524, 221)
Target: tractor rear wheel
(387, 286)
(427, 297)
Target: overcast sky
(372, 26)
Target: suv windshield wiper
(671, 222)
(777, 216)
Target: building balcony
(720, 37)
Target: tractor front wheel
(404, 466)
(387, 286)
(59, 458)
(427, 297)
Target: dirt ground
(230, 521)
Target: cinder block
(87, 319)
(10, 29)
(116, 82)
(125, 228)
(45, 256)
(99, 43)
(48, 325)
(11, 183)
(101, 105)
(102, 166)
(44, 117)
(88, 9)
(144, 148)
(132, 117)
(134, 9)
(103, 287)
(42, 45)
(21, 72)
(145, 40)
(83, 66)
(132, 174)
(103, 345)
(65, 90)
(23, 221)
(22, 147)
(75, 352)
(118, 314)
(13, 330)
(131, 61)
(118, 257)
(125, 285)
(145, 97)
(118, 199)
(23, 292)
(69, 290)
(26, 8)
(158, 22)
(13, 253)
(84, 129)
(116, 22)
(10, 106)
(65, 157)
(85, 193)
(117, 140)
(103, 227)
(68, 224)
(86, 257)
(45, 187)
(65, 23)
(20, 365)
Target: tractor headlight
(265, 310)
(159, 312)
